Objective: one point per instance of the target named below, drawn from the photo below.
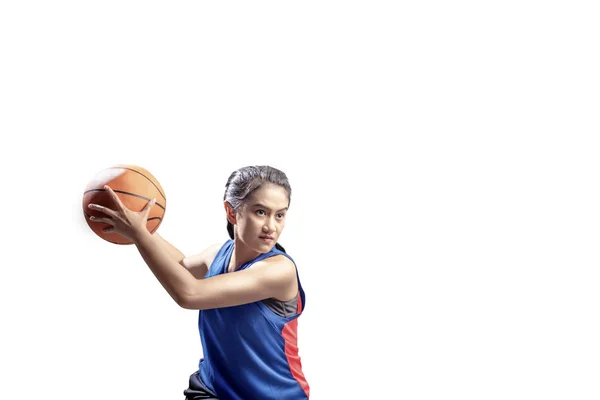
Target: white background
(445, 179)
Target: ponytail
(279, 247)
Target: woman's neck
(241, 255)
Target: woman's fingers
(102, 209)
(102, 219)
(114, 197)
(105, 220)
(146, 209)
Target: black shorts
(197, 390)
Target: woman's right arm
(197, 264)
(172, 250)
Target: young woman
(247, 290)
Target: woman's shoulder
(276, 255)
(278, 263)
(211, 251)
(199, 264)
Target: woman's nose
(269, 226)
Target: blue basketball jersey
(250, 352)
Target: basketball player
(247, 290)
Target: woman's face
(262, 217)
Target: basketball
(135, 187)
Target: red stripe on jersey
(290, 335)
(299, 303)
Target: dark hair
(245, 180)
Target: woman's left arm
(273, 277)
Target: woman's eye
(280, 215)
(260, 211)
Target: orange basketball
(135, 187)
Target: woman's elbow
(188, 302)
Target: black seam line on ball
(124, 192)
(131, 169)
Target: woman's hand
(125, 222)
